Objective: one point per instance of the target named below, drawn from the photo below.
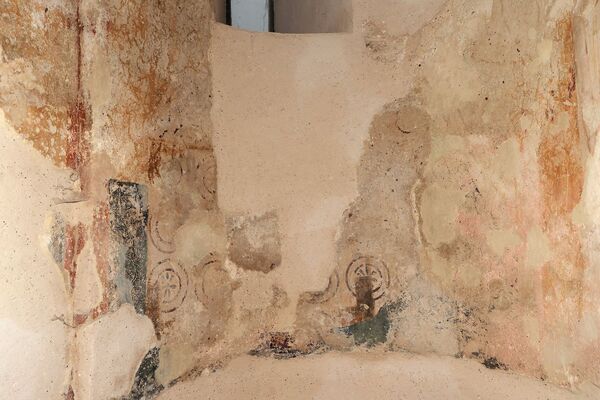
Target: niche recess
(286, 16)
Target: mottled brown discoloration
(153, 86)
(39, 49)
(254, 242)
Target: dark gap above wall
(286, 16)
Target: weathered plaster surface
(364, 375)
(180, 194)
(446, 155)
(33, 301)
(106, 134)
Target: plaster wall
(431, 146)
(424, 184)
(449, 131)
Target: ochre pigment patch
(562, 172)
(153, 87)
(561, 167)
(39, 50)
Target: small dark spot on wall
(489, 362)
(280, 345)
(493, 363)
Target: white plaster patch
(87, 293)
(32, 293)
(109, 352)
(196, 239)
(439, 209)
(538, 248)
(29, 364)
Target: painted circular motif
(170, 281)
(161, 241)
(210, 261)
(368, 268)
(327, 294)
(208, 173)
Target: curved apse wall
(181, 193)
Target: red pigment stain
(154, 160)
(562, 178)
(79, 319)
(74, 242)
(559, 155)
(100, 240)
(78, 148)
(100, 236)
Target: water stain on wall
(254, 242)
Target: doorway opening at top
(286, 16)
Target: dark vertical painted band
(128, 218)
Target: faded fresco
(181, 194)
